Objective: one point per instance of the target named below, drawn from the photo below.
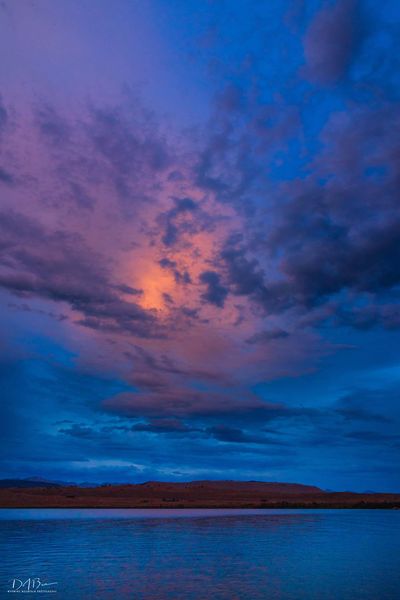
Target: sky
(200, 241)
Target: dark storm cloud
(247, 278)
(324, 243)
(333, 227)
(341, 236)
(244, 273)
(367, 263)
(215, 292)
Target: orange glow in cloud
(164, 288)
(155, 282)
(144, 272)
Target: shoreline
(202, 507)
(98, 498)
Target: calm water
(203, 554)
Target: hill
(34, 482)
(193, 494)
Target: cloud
(321, 242)
(238, 436)
(244, 273)
(373, 437)
(178, 220)
(59, 266)
(215, 293)
(200, 295)
(180, 403)
(179, 276)
(82, 198)
(52, 126)
(331, 41)
(129, 151)
(6, 177)
(369, 405)
(164, 426)
(367, 317)
(366, 263)
(3, 115)
(267, 336)
(79, 431)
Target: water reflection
(201, 554)
(145, 513)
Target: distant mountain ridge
(269, 487)
(28, 483)
(34, 493)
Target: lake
(76, 554)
